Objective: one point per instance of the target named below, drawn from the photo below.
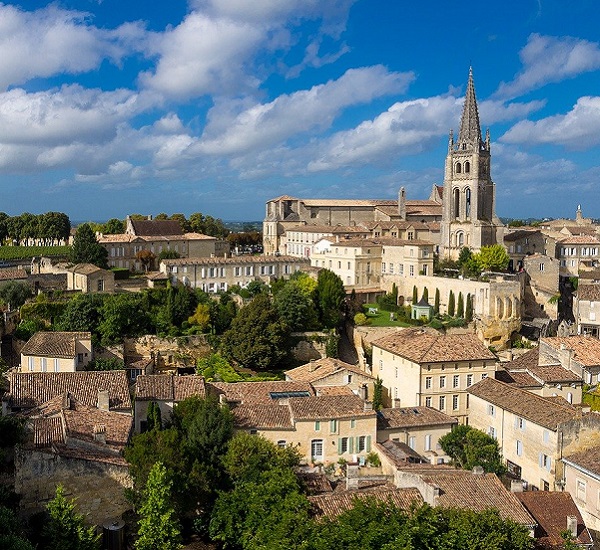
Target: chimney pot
(572, 525)
(103, 400)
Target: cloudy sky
(111, 107)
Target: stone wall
(169, 352)
(309, 346)
(97, 486)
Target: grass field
(382, 318)
(24, 252)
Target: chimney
(478, 471)
(311, 366)
(396, 403)
(516, 486)
(103, 400)
(149, 217)
(352, 479)
(368, 406)
(572, 525)
(362, 392)
(99, 431)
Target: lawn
(22, 252)
(382, 318)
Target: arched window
(468, 200)
(460, 238)
(467, 167)
(456, 203)
(458, 168)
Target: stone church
(459, 213)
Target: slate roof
(32, 389)
(333, 504)
(328, 406)
(322, 368)
(54, 344)
(156, 227)
(168, 387)
(586, 348)
(534, 408)
(550, 510)
(421, 346)
(412, 417)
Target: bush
(387, 302)
(360, 319)
(373, 459)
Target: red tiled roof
(259, 392)
(421, 346)
(328, 406)
(261, 416)
(588, 460)
(321, 368)
(586, 348)
(54, 344)
(589, 293)
(409, 417)
(168, 387)
(32, 389)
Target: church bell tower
(468, 214)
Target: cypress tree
(469, 309)
(451, 304)
(415, 296)
(460, 308)
(436, 303)
(426, 294)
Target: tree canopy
(86, 248)
(330, 296)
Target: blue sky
(111, 107)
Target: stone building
(580, 354)
(587, 309)
(218, 274)
(82, 277)
(540, 298)
(582, 481)
(421, 367)
(57, 352)
(469, 196)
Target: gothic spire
(470, 131)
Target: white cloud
(551, 59)
(579, 129)
(262, 125)
(51, 41)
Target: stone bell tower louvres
(468, 215)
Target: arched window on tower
(458, 168)
(460, 237)
(467, 167)
(468, 202)
(456, 205)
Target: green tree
(86, 248)
(330, 296)
(295, 308)
(153, 417)
(425, 295)
(113, 226)
(451, 304)
(15, 293)
(168, 255)
(146, 257)
(378, 394)
(81, 313)
(460, 308)
(464, 256)
(469, 447)
(201, 317)
(216, 368)
(469, 309)
(158, 526)
(122, 315)
(436, 302)
(415, 294)
(66, 529)
(258, 337)
(492, 258)
(11, 532)
(106, 363)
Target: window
(30, 363)
(343, 445)
(519, 448)
(317, 425)
(455, 402)
(469, 380)
(353, 423)
(520, 423)
(396, 372)
(442, 381)
(546, 436)
(281, 443)
(362, 443)
(484, 376)
(44, 364)
(428, 380)
(491, 410)
(428, 442)
(545, 461)
(428, 401)
(492, 432)
(456, 381)
(333, 426)
(411, 270)
(56, 365)
(100, 286)
(316, 450)
(580, 489)
(80, 357)
(442, 402)
(412, 442)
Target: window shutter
(351, 445)
(516, 422)
(368, 443)
(548, 463)
(540, 459)
(339, 445)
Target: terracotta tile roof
(547, 370)
(333, 504)
(315, 482)
(260, 392)
(550, 510)
(32, 389)
(54, 344)
(349, 202)
(532, 407)
(589, 293)
(588, 460)
(421, 346)
(156, 227)
(529, 359)
(322, 368)
(328, 406)
(554, 374)
(586, 348)
(85, 269)
(260, 416)
(477, 492)
(518, 378)
(333, 390)
(233, 260)
(168, 387)
(425, 208)
(401, 454)
(410, 417)
(519, 234)
(11, 273)
(390, 242)
(579, 239)
(46, 431)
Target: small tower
(402, 203)
(468, 213)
